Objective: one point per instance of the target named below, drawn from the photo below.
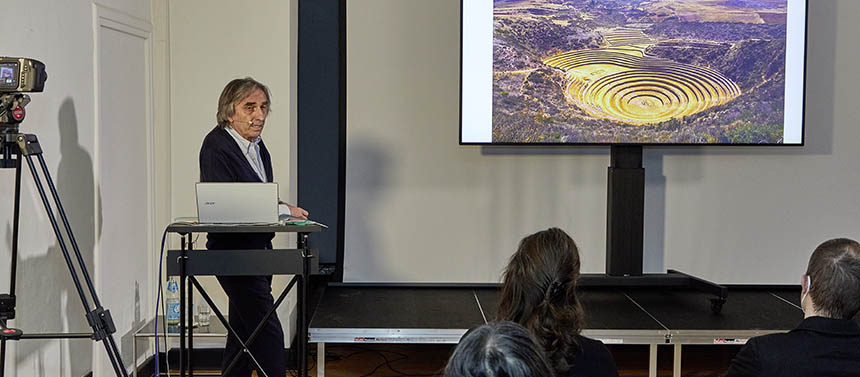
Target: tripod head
(11, 114)
(12, 111)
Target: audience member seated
(503, 349)
(539, 292)
(827, 341)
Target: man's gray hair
(235, 91)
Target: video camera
(18, 75)
(21, 75)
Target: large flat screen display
(632, 71)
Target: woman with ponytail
(539, 292)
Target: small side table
(213, 335)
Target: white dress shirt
(251, 150)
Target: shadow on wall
(47, 298)
(367, 178)
(654, 241)
(515, 182)
(125, 340)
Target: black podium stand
(625, 221)
(187, 264)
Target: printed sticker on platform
(730, 341)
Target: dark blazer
(818, 346)
(222, 160)
(592, 360)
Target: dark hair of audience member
(503, 349)
(539, 292)
(834, 270)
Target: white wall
(131, 92)
(211, 43)
(421, 208)
(82, 135)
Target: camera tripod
(27, 145)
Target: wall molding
(108, 18)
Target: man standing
(827, 341)
(234, 152)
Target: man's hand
(298, 212)
(295, 211)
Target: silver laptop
(237, 203)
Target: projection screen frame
(593, 144)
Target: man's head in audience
(501, 349)
(831, 285)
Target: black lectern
(187, 264)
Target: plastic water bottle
(172, 301)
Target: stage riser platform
(404, 314)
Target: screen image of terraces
(637, 71)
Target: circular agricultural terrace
(616, 84)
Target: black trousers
(250, 300)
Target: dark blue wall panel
(321, 122)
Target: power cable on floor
(384, 363)
(387, 362)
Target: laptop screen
(237, 202)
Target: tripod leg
(14, 265)
(110, 345)
(99, 319)
(17, 216)
(69, 232)
(60, 239)
(114, 356)
(2, 357)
